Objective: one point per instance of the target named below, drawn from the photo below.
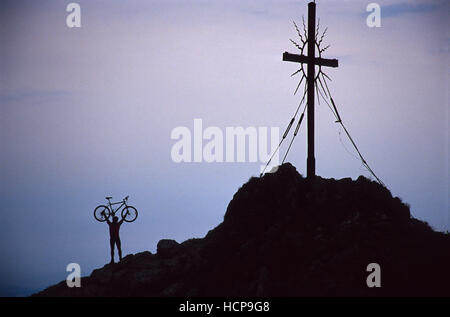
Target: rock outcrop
(283, 235)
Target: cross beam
(288, 57)
(311, 61)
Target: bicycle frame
(122, 204)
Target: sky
(88, 112)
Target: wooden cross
(311, 61)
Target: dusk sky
(88, 112)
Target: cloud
(398, 9)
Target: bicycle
(103, 212)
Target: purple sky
(88, 112)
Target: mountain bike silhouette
(103, 212)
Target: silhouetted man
(114, 238)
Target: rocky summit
(284, 235)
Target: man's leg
(119, 248)
(111, 243)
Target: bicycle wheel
(129, 214)
(101, 213)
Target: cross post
(311, 61)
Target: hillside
(283, 235)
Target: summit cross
(311, 60)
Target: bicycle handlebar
(109, 198)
